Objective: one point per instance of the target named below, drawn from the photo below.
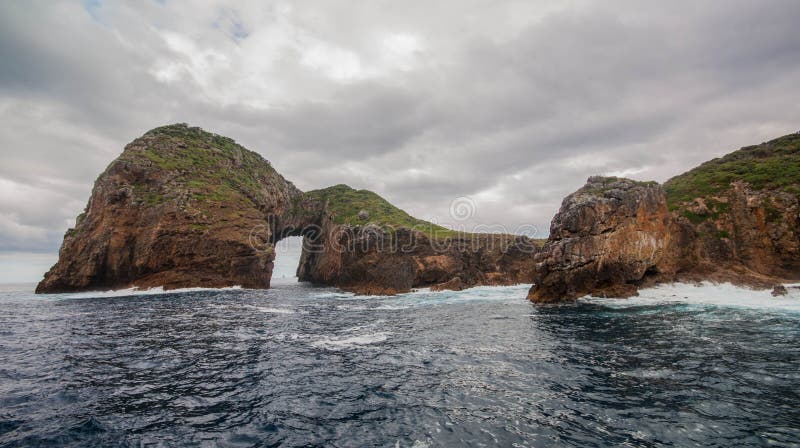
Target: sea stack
(608, 237)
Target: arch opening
(287, 259)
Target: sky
(505, 106)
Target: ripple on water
(305, 366)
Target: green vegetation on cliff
(210, 168)
(347, 204)
(771, 165)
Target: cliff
(745, 210)
(182, 207)
(368, 246)
(179, 207)
(733, 219)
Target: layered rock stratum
(732, 219)
(182, 207)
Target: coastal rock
(749, 232)
(180, 207)
(454, 284)
(779, 290)
(608, 237)
(734, 219)
(389, 260)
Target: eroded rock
(608, 237)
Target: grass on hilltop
(346, 203)
(771, 165)
(213, 168)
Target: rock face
(745, 208)
(733, 219)
(180, 207)
(382, 260)
(607, 238)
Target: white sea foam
(708, 294)
(338, 343)
(335, 295)
(391, 307)
(135, 292)
(273, 310)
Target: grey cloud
(511, 103)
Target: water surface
(305, 366)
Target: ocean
(298, 365)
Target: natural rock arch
(181, 207)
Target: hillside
(348, 206)
(774, 165)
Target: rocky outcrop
(733, 219)
(181, 207)
(608, 237)
(752, 233)
(384, 259)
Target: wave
(273, 310)
(708, 294)
(135, 291)
(334, 343)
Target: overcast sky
(511, 104)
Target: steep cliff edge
(179, 207)
(745, 209)
(732, 219)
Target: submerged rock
(779, 290)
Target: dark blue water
(301, 366)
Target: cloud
(511, 103)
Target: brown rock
(779, 290)
(358, 259)
(454, 284)
(607, 237)
(180, 207)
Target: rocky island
(182, 207)
(732, 219)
